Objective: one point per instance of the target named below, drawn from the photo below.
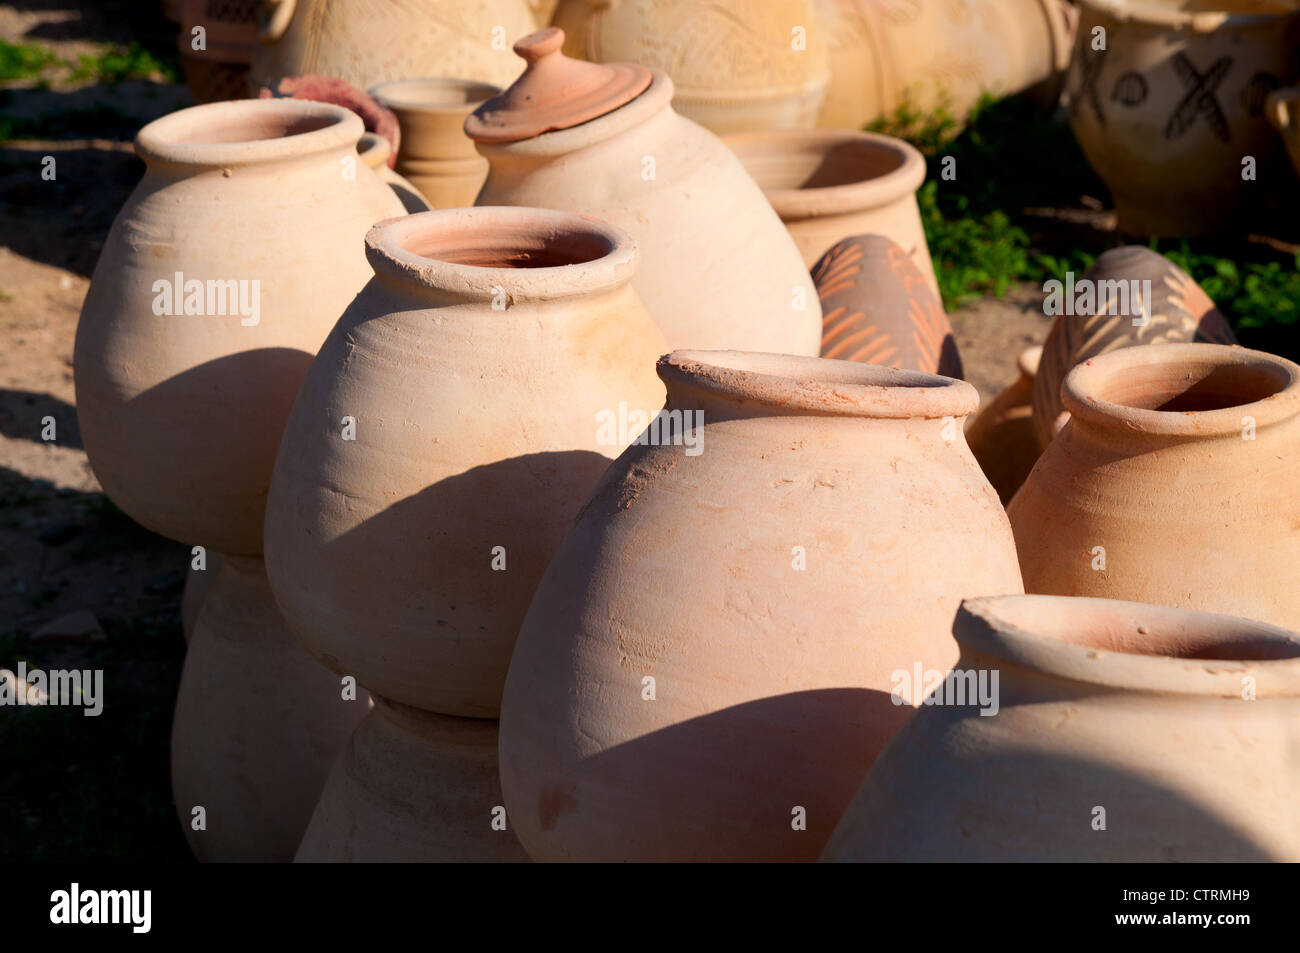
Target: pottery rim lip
(163, 140)
(1199, 21)
(994, 626)
(612, 265)
(818, 385)
(391, 94)
(1084, 382)
(793, 202)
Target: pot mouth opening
(241, 132)
(816, 385)
(434, 92)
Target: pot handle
(273, 19)
(373, 149)
(1276, 108)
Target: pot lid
(554, 92)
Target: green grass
(113, 65)
(24, 60)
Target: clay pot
(1171, 484)
(258, 724)
(181, 413)
(197, 584)
(878, 308)
(717, 268)
(219, 70)
(1123, 733)
(436, 155)
(371, 41)
(374, 151)
(474, 368)
(735, 64)
(330, 89)
(653, 676)
(1001, 435)
(1111, 308)
(828, 185)
(925, 55)
(1170, 110)
(413, 787)
(1282, 108)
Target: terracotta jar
(1002, 436)
(264, 203)
(879, 309)
(1283, 110)
(1171, 484)
(229, 35)
(258, 723)
(925, 55)
(374, 150)
(371, 41)
(1131, 295)
(735, 64)
(436, 155)
(828, 185)
(1123, 733)
(654, 675)
(717, 268)
(1170, 111)
(367, 813)
(473, 371)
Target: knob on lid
(554, 92)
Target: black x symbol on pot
(1091, 73)
(1200, 99)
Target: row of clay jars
(1116, 732)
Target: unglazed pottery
(706, 670)
(1283, 109)
(1002, 436)
(717, 267)
(1123, 733)
(373, 41)
(473, 370)
(219, 70)
(1173, 107)
(925, 55)
(374, 151)
(330, 89)
(735, 64)
(258, 724)
(1110, 308)
(181, 413)
(878, 309)
(1173, 483)
(829, 185)
(411, 786)
(197, 584)
(436, 155)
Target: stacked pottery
(1172, 483)
(216, 44)
(442, 443)
(735, 64)
(1115, 732)
(205, 309)
(1002, 435)
(713, 658)
(828, 185)
(717, 267)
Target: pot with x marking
(1167, 100)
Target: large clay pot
(717, 269)
(1283, 110)
(1169, 111)
(828, 185)
(374, 150)
(436, 155)
(258, 724)
(925, 55)
(1123, 733)
(1001, 435)
(1173, 483)
(415, 787)
(474, 369)
(372, 41)
(735, 64)
(721, 629)
(219, 70)
(181, 413)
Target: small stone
(81, 624)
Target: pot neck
(442, 730)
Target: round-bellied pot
(1283, 110)
(717, 267)
(1171, 484)
(1171, 112)
(436, 155)
(444, 438)
(195, 593)
(735, 64)
(655, 679)
(221, 276)
(828, 185)
(413, 787)
(1001, 435)
(1115, 732)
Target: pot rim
(793, 203)
(339, 128)
(1080, 388)
(994, 626)
(390, 94)
(388, 250)
(1198, 21)
(818, 385)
